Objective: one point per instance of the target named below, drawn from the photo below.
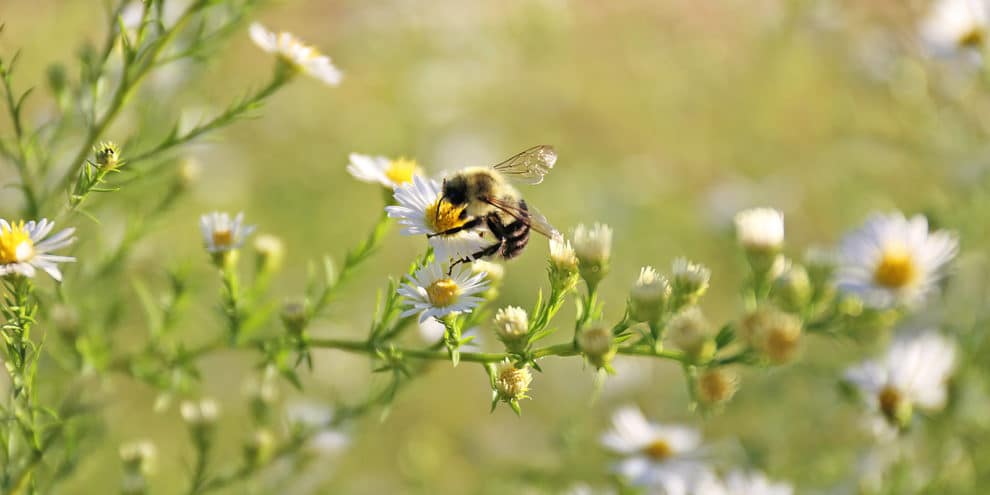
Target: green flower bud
(649, 295)
(593, 247)
(598, 345)
(107, 155)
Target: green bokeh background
(667, 117)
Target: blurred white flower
(956, 26)
(202, 412)
(420, 210)
(754, 483)
(221, 234)
(296, 54)
(317, 419)
(431, 292)
(664, 457)
(892, 260)
(593, 245)
(913, 373)
(760, 229)
(381, 170)
(24, 248)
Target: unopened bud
(691, 332)
(138, 457)
(106, 155)
(760, 230)
(270, 251)
(793, 287)
(512, 327)
(773, 332)
(593, 247)
(649, 295)
(202, 413)
(563, 264)
(259, 447)
(294, 317)
(689, 280)
(598, 345)
(189, 172)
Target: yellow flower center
(890, 401)
(443, 216)
(896, 269)
(15, 244)
(443, 292)
(223, 238)
(658, 450)
(401, 170)
(973, 38)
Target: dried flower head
(716, 386)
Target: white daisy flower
(420, 210)
(431, 292)
(381, 170)
(913, 373)
(893, 260)
(659, 456)
(24, 248)
(221, 234)
(956, 26)
(296, 54)
(760, 229)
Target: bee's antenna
(436, 213)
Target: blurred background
(668, 117)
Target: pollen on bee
(443, 216)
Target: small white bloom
(431, 292)
(893, 260)
(593, 245)
(24, 248)
(421, 212)
(203, 412)
(956, 26)
(913, 373)
(221, 234)
(660, 456)
(296, 54)
(760, 229)
(381, 170)
(689, 277)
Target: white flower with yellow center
(432, 293)
(664, 457)
(221, 234)
(760, 229)
(892, 260)
(913, 374)
(296, 54)
(955, 26)
(24, 248)
(421, 212)
(381, 170)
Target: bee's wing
(529, 216)
(529, 166)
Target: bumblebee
(489, 201)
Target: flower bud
(593, 247)
(563, 264)
(760, 230)
(793, 287)
(512, 383)
(716, 386)
(294, 317)
(271, 251)
(649, 295)
(189, 172)
(512, 327)
(106, 155)
(598, 345)
(691, 332)
(259, 447)
(138, 457)
(772, 332)
(202, 413)
(689, 281)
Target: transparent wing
(529, 216)
(529, 166)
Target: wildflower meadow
(535, 247)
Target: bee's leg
(470, 224)
(488, 251)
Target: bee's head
(455, 190)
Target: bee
(489, 201)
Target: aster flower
(892, 260)
(664, 457)
(956, 26)
(431, 292)
(421, 212)
(740, 483)
(913, 373)
(296, 54)
(381, 170)
(221, 234)
(760, 229)
(24, 248)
